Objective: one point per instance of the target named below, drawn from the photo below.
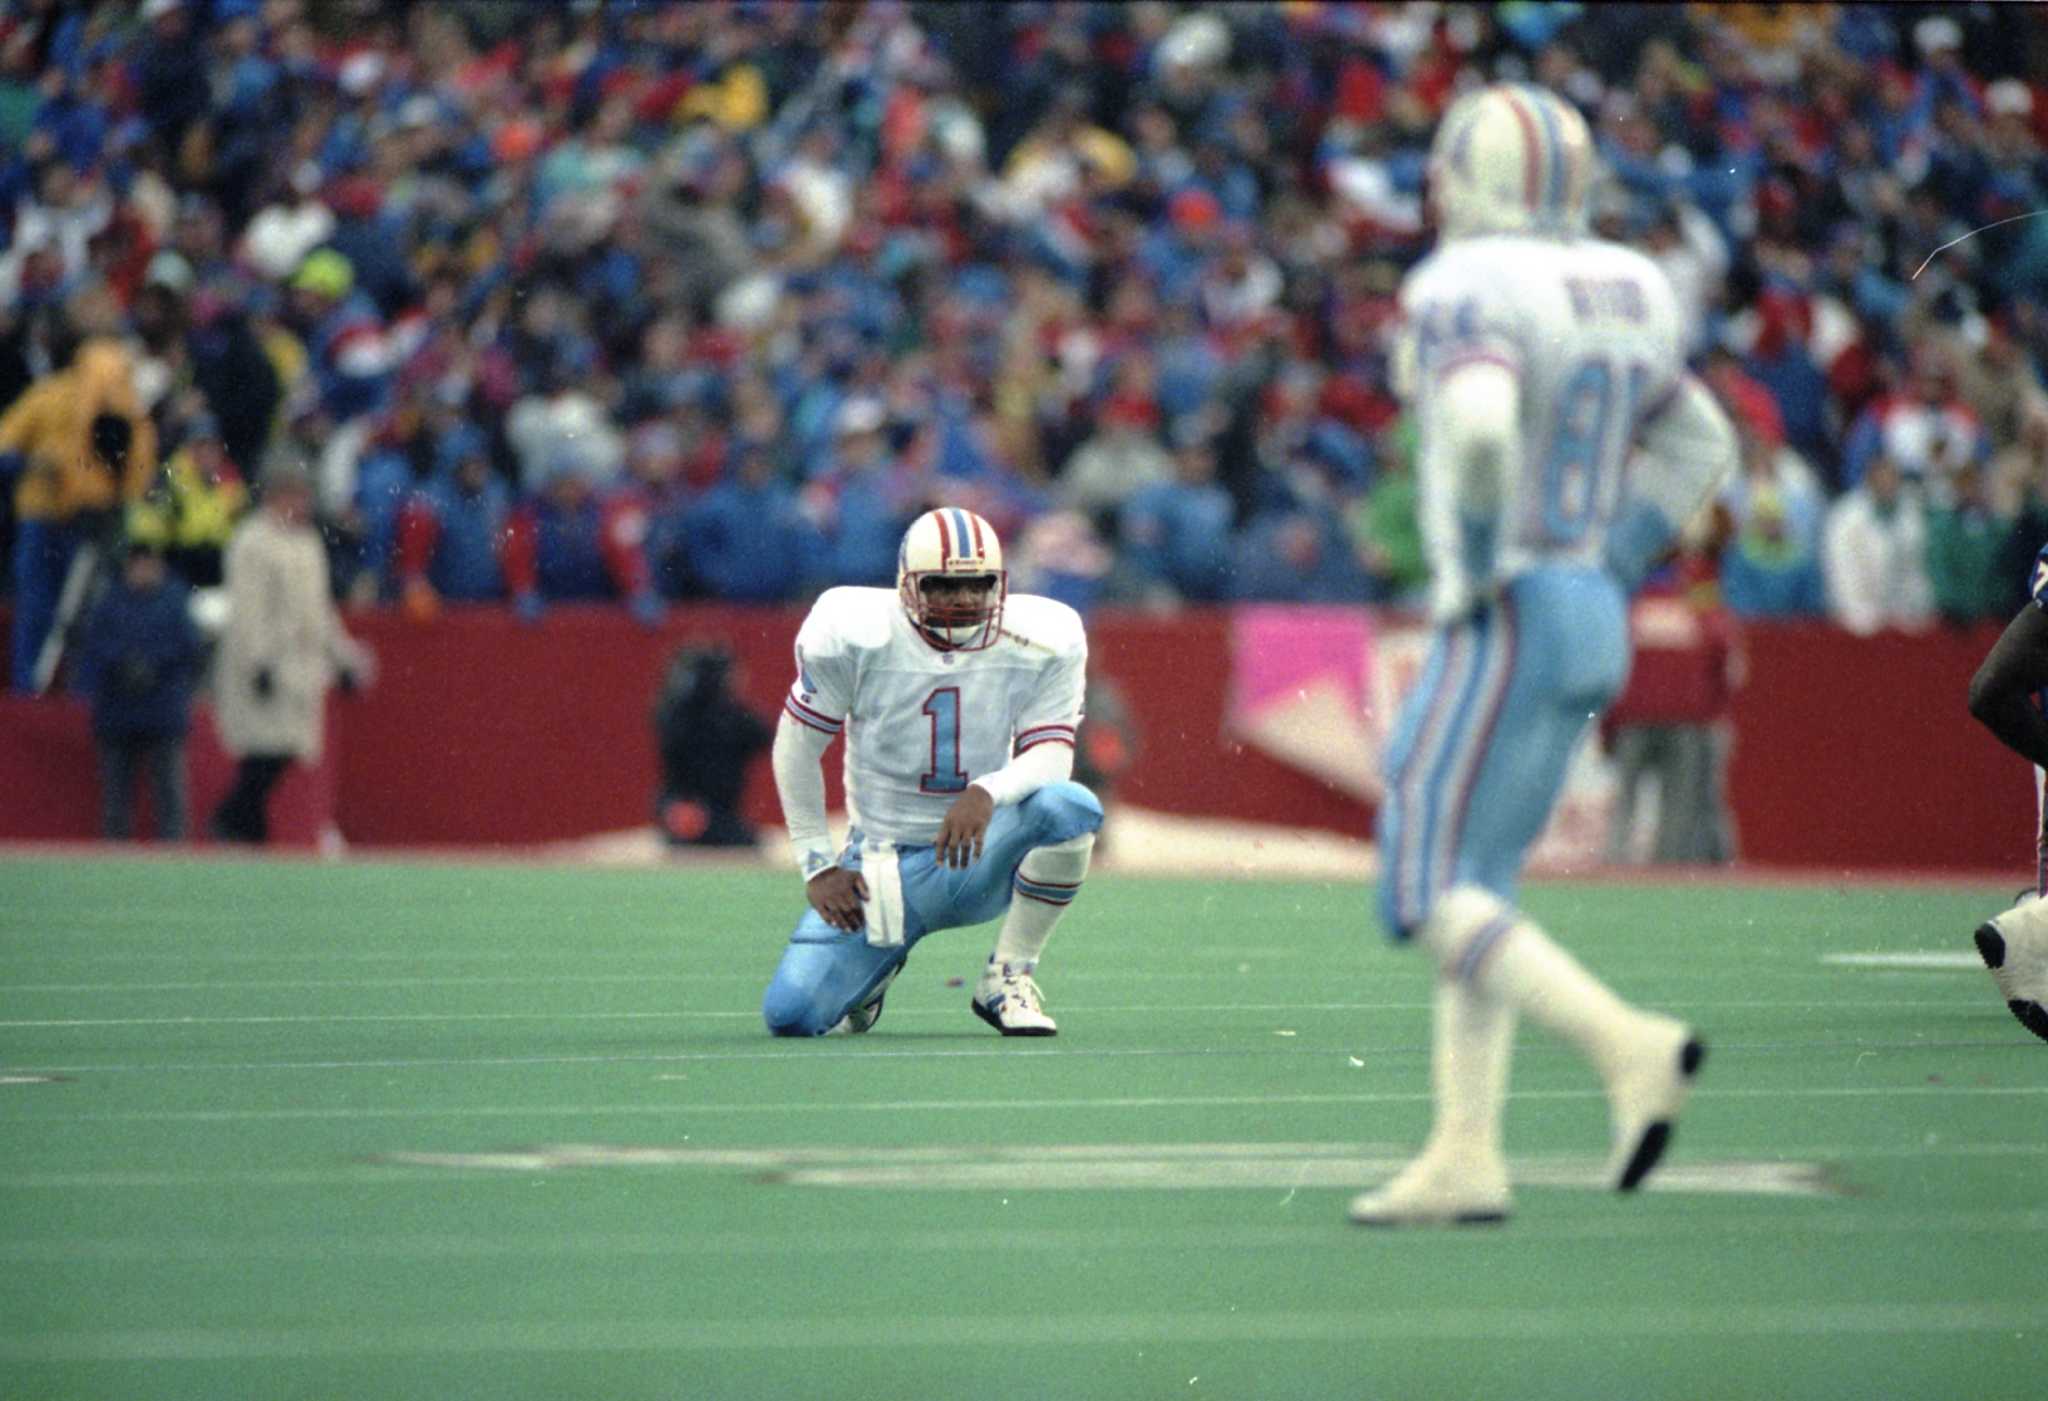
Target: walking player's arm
(1688, 448)
(2002, 692)
(1469, 447)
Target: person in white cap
(959, 704)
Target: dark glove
(265, 683)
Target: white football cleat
(869, 1012)
(1442, 1187)
(1008, 999)
(1645, 1094)
(2013, 949)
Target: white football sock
(1503, 955)
(1472, 1043)
(1047, 881)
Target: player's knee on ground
(1062, 811)
(791, 1010)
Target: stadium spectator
(138, 657)
(1966, 551)
(575, 540)
(570, 226)
(1928, 432)
(229, 366)
(190, 509)
(452, 532)
(1772, 566)
(1674, 723)
(1875, 552)
(1386, 527)
(865, 497)
(1176, 534)
(2020, 490)
(1297, 556)
(746, 540)
(283, 645)
(1124, 455)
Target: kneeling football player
(959, 705)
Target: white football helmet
(950, 543)
(1511, 158)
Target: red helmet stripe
(945, 540)
(975, 521)
(1530, 147)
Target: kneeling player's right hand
(837, 895)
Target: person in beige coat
(281, 648)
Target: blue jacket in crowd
(137, 660)
(748, 543)
(465, 565)
(1180, 533)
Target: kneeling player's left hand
(965, 824)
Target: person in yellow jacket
(70, 486)
(191, 508)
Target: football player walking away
(959, 705)
(1536, 360)
(2006, 696)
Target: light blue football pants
(827, 972)
(1481, 747)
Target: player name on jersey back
(1591, 332)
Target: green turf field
(361, 1130)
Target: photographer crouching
(706, 738)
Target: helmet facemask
(942, 550)
(960, 623)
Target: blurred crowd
(656, 302)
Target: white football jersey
(921, 723)
(1591, 331)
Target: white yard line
(949, 1013)
(805, 1054)
(836, 1332)
(978, 1105)
(1308, 1232)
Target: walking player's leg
(1482, 759)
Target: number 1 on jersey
(945, 775)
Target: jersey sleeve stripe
(1067, 740)
(798, 711)
(1036, 729)
(816, 714)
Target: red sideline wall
(1850, 753)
